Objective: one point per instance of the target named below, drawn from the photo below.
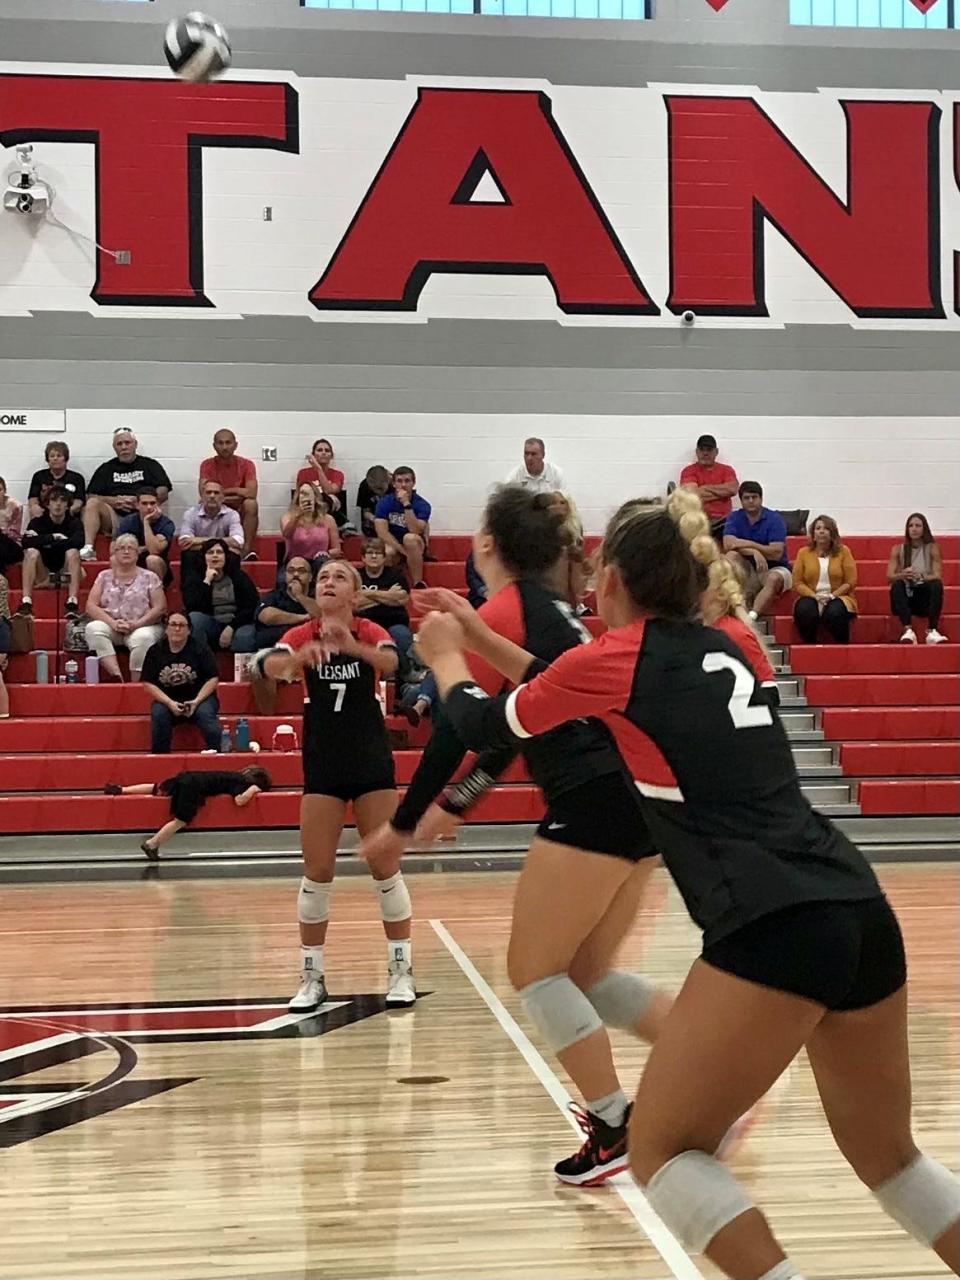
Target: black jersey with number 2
(710, 758)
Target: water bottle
(71, 669)
(42, 674)
(226, 743)
(91, 669)
(243, 734)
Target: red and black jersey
(571, 755)
(751, 646)
(341, 713)
(708, 754)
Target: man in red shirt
(715, 483)
(238, 478)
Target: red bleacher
(893, 709)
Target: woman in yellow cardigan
(825, 578)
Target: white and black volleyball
(197, 47)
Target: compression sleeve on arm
(440, 760)
(463, 795)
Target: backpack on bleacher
(75, 635)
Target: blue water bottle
(42, 673)
(243, 734)
(226, 744)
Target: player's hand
(441, 600)
(440, 636)
(336, 637)
(436, 824)
(310, 655)
(385, 842)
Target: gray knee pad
(621, 999)
(696, 1198)
(313, 902)
(560, 1010)
(394, 898)
(924, 1198)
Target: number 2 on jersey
(741, 713)
(341, 694)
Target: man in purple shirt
(210, 518)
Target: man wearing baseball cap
(714, 482)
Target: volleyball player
(800, 945)
(581, 883)
(346, 759)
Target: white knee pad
(394, 898)
(621, 999)
(924, 1198)
(560, 1010)
(696, 1198)
(313, 902)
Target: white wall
(866, 472)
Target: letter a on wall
(418, 217)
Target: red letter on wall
(418, 216)
(149, 136)
(731, 169)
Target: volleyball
(197, 47)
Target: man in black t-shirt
(180, 675)
(112, 491)
(57, 454)
(54, 539)
(385, 596)
(374, 485)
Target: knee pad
(560, 1011)
(621, 999)
(394, 898)
(696, 1198)
(924, 1198)
(313, 902)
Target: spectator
(210, 518)
(384, 598)
(125, 607)
(825, 580)
(113, 488)
(283, 608)
(4, 646)
(915, 574)
(237, 477)
(223, 600)
(476, 587)
(11, 518)
(57, 454)
(535, 474)
(373, 487)
(569, 577)
(180, 675)
(713, 482)
(53, 539)
(327, 478)
(309, 530)
(755, 540)
(402, 522)
(154, 533)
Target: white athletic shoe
(87, 552)
(934, 637)
(909, 636)
(401, 991)
(312, 994)
(753, 615)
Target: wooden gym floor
(200, 1132)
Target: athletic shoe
(419, 586)
(603, 1154)
(26, 608)
(935, 637)
(753, 615)
(113, 789)
(249, 555)
(401, 992)
(311, 995)
(909, 636)
(151, 851)
(348, 529)
(72, 609)
(87, 552)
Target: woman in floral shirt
(125, 607)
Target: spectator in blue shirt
(154, 533)
(402, 522)
(755, 540)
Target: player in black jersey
(800, 945)
(581, 883)
(346, 758)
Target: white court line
(233, 927)
(681, 1266)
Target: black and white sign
(51, 421)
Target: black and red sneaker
(603, 1154)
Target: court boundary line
(682, 1267)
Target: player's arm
(495, 650)
(298, 648)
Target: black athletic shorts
(53, 556)
(347, 784)
(601, 816)
(844, 955)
